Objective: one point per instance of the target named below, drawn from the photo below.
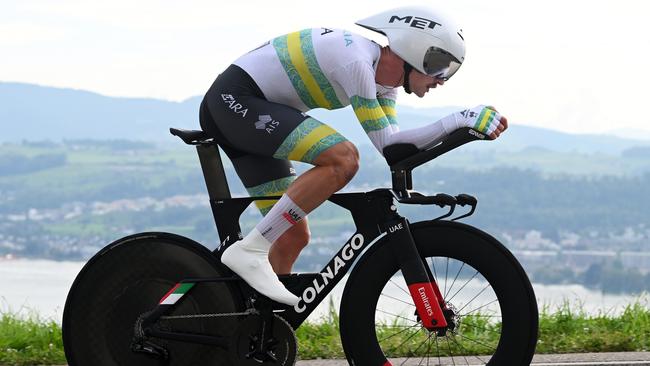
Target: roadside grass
(30, 340)
(570, 329)
(567, 328)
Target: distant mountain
(631, 133)
(38, 113)
(31, 112)
(523, 137)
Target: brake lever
(441, 200)
(464, 199)
(446, 200)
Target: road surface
(579, 359)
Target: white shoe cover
(249, 258)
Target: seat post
(215, 176)
(226, 211)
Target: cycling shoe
(249, 258)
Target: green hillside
(67, 200)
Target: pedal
(150, 349)
(253, 346)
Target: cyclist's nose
(436, 82)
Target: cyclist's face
(421, 83)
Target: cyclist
(256, 109)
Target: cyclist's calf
(287, 248)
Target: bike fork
(423, 288)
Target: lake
(41, 286)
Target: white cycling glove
(481, 118)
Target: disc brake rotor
(280, 349)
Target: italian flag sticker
(176, 293)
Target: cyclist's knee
(349, 161)
(343, 159)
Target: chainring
(281, 348)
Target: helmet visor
(440, 63)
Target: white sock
(284, 214)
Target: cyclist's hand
(502, 124)
(482, 118)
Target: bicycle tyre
(128, 278)
(465, 246)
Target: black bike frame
(377, 221)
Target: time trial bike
(434, 292)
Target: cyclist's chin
(421, 93)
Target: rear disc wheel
(126, 280)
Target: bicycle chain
(212, 315)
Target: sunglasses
(440, 63)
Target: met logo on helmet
(415, 22)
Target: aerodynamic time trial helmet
(427, 40)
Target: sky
(577, 66)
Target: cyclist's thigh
(261, 175)
(273, 130)
(285, 133)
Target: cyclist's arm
(422, 137)
(377, 113)
(482, 118)
(387, 100)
